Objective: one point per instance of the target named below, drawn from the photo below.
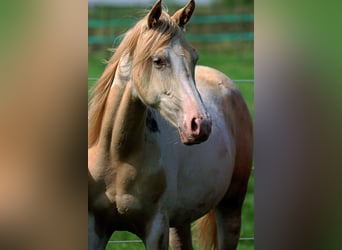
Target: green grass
(235, 64)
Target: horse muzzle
(195, 130)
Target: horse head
(163, 73)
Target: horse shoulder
(220, 94)
(216, 87)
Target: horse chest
(197, 176)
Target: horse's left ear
(154, 14)
(182, 16)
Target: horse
(169, 142)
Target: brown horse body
(150, 104)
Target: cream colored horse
(168, 142)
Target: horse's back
(213, 83)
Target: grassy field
(237, 62)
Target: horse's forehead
(180, 46)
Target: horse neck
(123, 127)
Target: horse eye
(158, 62)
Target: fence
(140, 241)
(238, 80)
(214, 22)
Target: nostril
(194, 125)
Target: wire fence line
(238, 80)
(140, 241)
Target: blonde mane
(140, 43)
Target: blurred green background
(222, 33)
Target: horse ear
(154, 14)
(182, 16)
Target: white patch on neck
(123, 71)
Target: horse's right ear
(154, 14)
(183, 15)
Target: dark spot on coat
(151, 123)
